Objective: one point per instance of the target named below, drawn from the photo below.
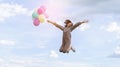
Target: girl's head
(68, 23)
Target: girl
(66, 39)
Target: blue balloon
(35, 14)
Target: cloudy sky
(97, 43)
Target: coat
(66, 38)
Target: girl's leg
(61, 49)
(62, 46)
(66, 48)
(69, 49)
(72, 49)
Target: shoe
(73, 50)
(60, 50)
(67, 52)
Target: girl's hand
(48, 21)
(85, 21)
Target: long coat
(66, 39)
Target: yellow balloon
(41, 18)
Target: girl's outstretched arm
(57, 25)
(77, 24)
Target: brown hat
(67, 21)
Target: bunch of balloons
(39, 15)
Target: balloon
(41, 18)
(35, 14)
(40, 11)
(39, 15)
(36, 22)
(43, 8)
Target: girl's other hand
(85, 21)
(48, 21)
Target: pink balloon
(36, 22)
(41, 10)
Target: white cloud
(116, 53)
(83, 7)
(70, 64)
(37, 62)
(41, 60)
(53, 54)
(41, 44)
(1, 60)
(117, 50)
(113, 27)
(84, 27)
(95, 6)
(8, 10)
(20, 61)
(7, 42)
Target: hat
(67, 21)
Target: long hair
(67, 21)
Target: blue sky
(97, 43)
